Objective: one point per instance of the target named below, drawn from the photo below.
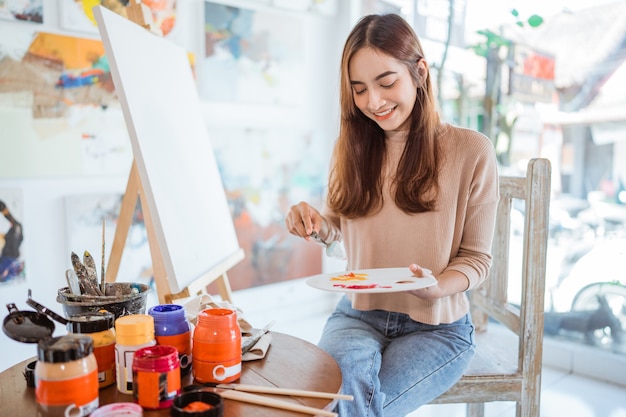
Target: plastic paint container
(132, 333)
(156, 376)
(217, 346)
(171, 328)
(66, 376)
(100, 327)
(212, 403)
(118, 410)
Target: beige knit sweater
(456, 236)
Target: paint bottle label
(171, 328)
(182, 343)
(100, 327)
(156, 376)
(133, 332)
(54, 397)
(105, 356)
(66, 376)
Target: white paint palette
(379, 280)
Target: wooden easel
(217, 274)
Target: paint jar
(119, 409)
(29, 374)
(217, 346)
(66, 376)
(100, 327)
(156, 376)
(132, 333)
(198, 404)
(171, 328)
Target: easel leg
(129, 204)
(124, 221)
(158, 267)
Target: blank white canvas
(171, 147)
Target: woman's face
(382, 88)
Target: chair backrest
(500, 371)
(492, 297)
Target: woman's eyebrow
(378, 77)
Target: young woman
(405, 190)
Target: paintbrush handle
(289, 391)
(272, 402)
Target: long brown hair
(355, 183)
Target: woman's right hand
(303, 219)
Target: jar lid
(135, 325)
(64, 348)
(158, 358)
(44, 310)
(91, 322)
(218, 317)
(27, 326)
(166, 311)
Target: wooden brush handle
(293, 392)
(271, 402)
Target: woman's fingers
(300, 219)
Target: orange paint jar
(66, 375)
(216, 347)
(100, 327)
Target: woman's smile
(386, 114)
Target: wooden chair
(501, 371)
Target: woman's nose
(375, 101)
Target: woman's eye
(360, 91)
(388, 85)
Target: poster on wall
(85, 215)
(12, 265)
(278, 168)
(22, 10)
(78, 16)
(251, 56)
(58, 109)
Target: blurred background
(539, 78)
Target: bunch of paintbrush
(83, 279)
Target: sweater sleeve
(331, 231)
(473, 258)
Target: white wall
(44, 243)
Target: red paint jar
(217, 346)
(156, 376)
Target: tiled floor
(563, 393)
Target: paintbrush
(92, 272)
(103, 287)
(81, 273)
(73, 282)
(249, 344)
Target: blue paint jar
(171, 328)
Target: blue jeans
(392, 364)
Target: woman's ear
(422, 71)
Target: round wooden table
(289, 363)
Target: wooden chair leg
(475, 410)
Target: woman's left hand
(429, 293)
(448, 282)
